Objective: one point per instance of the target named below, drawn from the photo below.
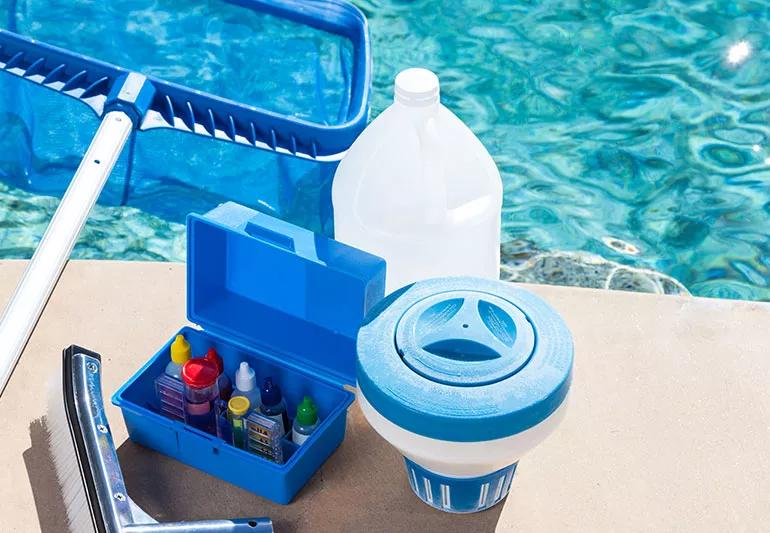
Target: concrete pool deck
(668, 427)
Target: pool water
(632, 131)
(112, 232)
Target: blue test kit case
(287, 301)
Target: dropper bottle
(305, 422)
(246, 384)
(273, 404)
(180, 354)
(225, 387)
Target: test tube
(224, 431)
(200, 394)
(237, 408)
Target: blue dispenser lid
(271, 285)
(464, 359)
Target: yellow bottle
(180, 354)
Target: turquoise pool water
(635, 131)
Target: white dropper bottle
(246, 384)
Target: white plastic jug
(420, 190)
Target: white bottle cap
(245, 379)
(417, 87)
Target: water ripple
(111, 232)
(625, 119)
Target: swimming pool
(635, 131)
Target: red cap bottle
(214, 357)
(199, 373)
(225, 387)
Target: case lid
(272, 285)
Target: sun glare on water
(738, 53)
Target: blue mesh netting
(210, 45)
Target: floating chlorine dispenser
(463, 376)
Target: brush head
(87, 465)
(67, 463)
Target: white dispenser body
(461, 459)
(418, 189)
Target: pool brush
(87, 466)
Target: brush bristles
(65, 460)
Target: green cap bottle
(307, 412)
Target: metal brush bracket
(112, 511)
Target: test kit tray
(287, 301)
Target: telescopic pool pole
(123, 113)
